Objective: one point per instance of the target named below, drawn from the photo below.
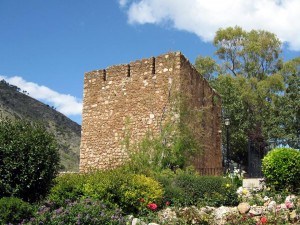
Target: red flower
(263, 220)
(152, 206)
(168, 203)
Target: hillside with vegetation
(16, 104)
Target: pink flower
(289, 205)
(168, 203)
(263, 220)
(152, 206)
(278, 207)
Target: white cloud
(123, 2)
(205, 17)
(64, 103)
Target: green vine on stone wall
(172, 148)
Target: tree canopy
(260, 91)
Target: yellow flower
(244, 191)
(227, 185)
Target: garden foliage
(139, 192)
(187, 188)
(171, 149)
(14, 210)
(67, 187)
(29, 160)
(131, 192)
(83, 212)
(281, 167)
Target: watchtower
(143, 94)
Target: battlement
(149, 66)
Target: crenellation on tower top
(163, 63)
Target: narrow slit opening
(128, 70)
(104, 75)
(153, 65)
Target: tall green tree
(250, 54)
(233, 104)
(288, 110)
(260, 93)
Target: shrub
(168, 150)
(113, 187)
(281, 167)
(139, 192)
(102, 185)
(84, 212)
(105, 185)
(14, 210)
(29, 160)
(68, 187)
(186, 188)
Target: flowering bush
(138, 192)
(83, 212)
(131, 192)
(152, 206)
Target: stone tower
(141, 96)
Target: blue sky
(47, 45)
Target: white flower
(239, 190)
(243, 192)
(290, 198)
(272, 205)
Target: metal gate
(256, 152)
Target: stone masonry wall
(134, 99)
(206, 127)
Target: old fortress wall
(140, 97)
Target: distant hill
(15, 104)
